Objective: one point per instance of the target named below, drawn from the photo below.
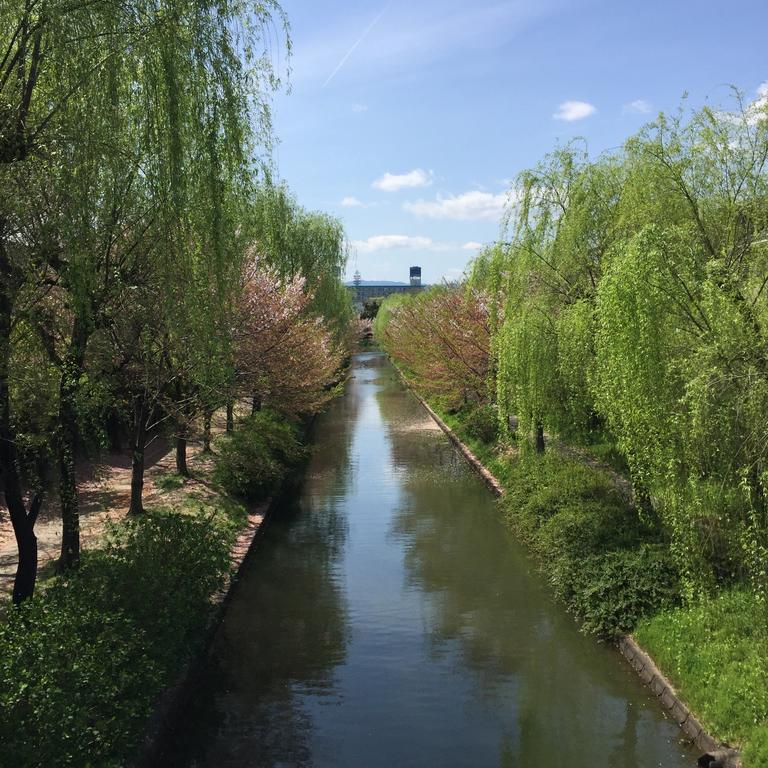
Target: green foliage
(297, 242)
(34, 396)
(755, 751)
(93, 400)
(613, 590)
(714, 653)
(255, 459)
(482, 423)
(605, 561)
(83, 662)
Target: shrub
(540, 487)
(482, 423)
(606, 562)
(84, 660)
(255, 459)
(611, 591)
(584, 527)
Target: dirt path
(104, 494)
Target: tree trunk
(114, 432)
(23, 521)
(181, 456)
(207, 416)
(230, 417)
(539, 438)
(137, 455)
(67, 448)
(26, 541)
(182, 428)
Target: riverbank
(712, 659)
(96, 662)
(389, 618)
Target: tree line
(150, 270)
(625, 303)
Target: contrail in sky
(352, 49)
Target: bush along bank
(610, 564)
(86, 659)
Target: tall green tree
(140, 121)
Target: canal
(389, 619)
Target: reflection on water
(389, 619)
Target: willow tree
(116, 106)
(557, 232)
(683, 340)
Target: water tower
(416, 276)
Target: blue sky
(408, 119)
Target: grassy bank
(84, 661)
(716, 655)
(610, 564)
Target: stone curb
(638, 659)
(652, 676)
(493, 484)
(174, 697)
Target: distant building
(361, 290)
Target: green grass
(715, 655)
(170, 482)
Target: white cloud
(574, 110)
(752, 112)
(359, 108)
(388, 242)
(352, 202)
(466, 207)
(638, 107)
(392, 182)
(472, 246)
(758, 109)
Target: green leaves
(256, 458)
(83, 662)
(630, 302)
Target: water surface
(388, 618)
